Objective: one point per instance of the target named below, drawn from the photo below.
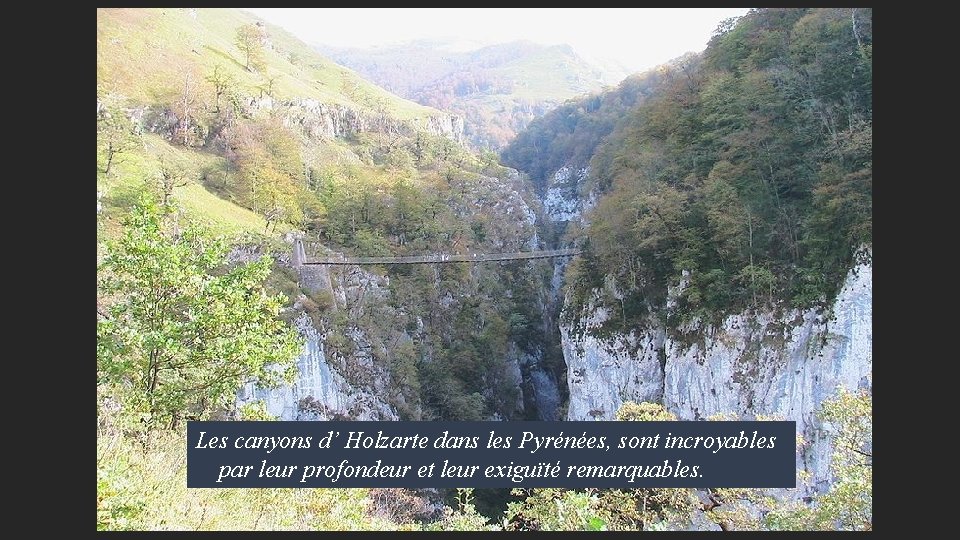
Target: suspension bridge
(300, 257)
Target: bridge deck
(447, 258)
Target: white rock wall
(753, 364)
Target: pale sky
(637, 38)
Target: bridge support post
(299, 254)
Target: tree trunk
(152, 368)
(110, 153)
(856, 32)
(753, 285)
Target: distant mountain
(498, 89)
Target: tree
(184, 332)
(848, 505)
(250, 38)
(271, 171)
(172, 176)
(294, 59)
(640, 508)
(645, 411)
(554, 509)
(224, 85)
(464, 518)
(188, 129)
(267, 84)
(351, 87)
(115, 135)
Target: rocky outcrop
(782, 364)
(755, 363)
(319, 120)
(544, 393)
(319, 391)
(314, 119)
(561, 201)
(322, 120)
(338, 375)
(540, 393)
(603, 372)
(446, 125)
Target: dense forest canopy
(749, 167)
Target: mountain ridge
(497, 88)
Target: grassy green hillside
(158, 64)
(498, 89)
(132, 179)
(145, 54)
(146, 57)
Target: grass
(137, 172)
(144, 56)
(221, 217)
(142, 485)
(550, 74)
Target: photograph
(484, 232)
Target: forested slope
(749, 166)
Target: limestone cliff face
(323, 120)
(448, 125)
(315, 119)
(756, 363)
(319, 391)
(602, 373)
(762, 363)
(561, 201)
(339, 375)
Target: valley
(301, 232)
